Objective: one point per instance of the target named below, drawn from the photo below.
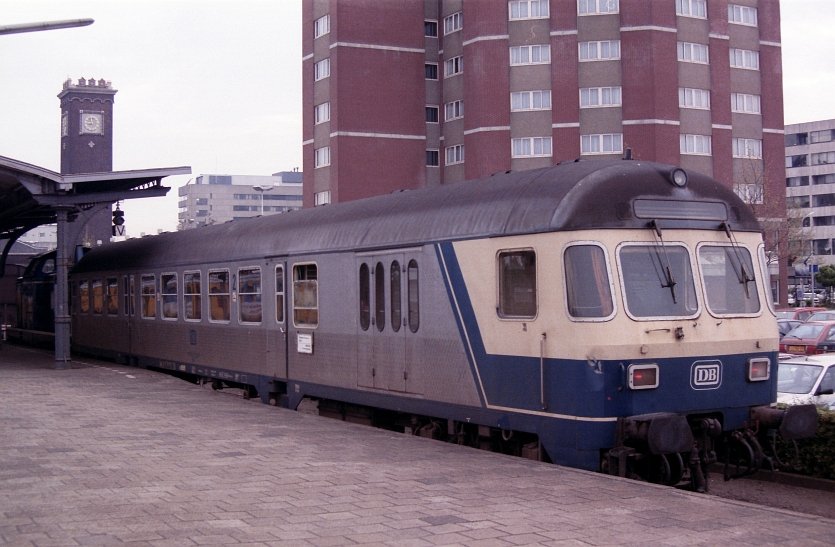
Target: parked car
(802, 380)
(810, 338)
(802, 312)
(822, 316)
(785, 325)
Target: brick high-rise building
(418, 93)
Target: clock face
(91, 123)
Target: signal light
(118, 221)
(643, 376)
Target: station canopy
(31, 196)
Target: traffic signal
(118, 221)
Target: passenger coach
(601, 314)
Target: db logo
(706, 375)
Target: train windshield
(658, 281)
(728, 275)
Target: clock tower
(87, 147)
(86, 126)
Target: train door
(129, 309)
(279, 365)
(381, 340)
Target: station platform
(103, 454)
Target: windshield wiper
(742, 274)
(669, 282)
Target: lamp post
(811, 257)
(261, 189)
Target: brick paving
(102, 454)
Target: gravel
(812, 501)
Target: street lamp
(261, 188)
(811, 257)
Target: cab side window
(517, 284)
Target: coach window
(168, 289)
(517, 284)
(192, 297)
(249, 292)
(218, 295)
(148, 289)
(396, 311)
(279, 294)
(728, 275)
(98, 297)
(305, 295)
(587, 286)
(112, 296)
(129, 294)
(380, 296)
(413, 296)
(658, 281)
(365, 296)
(84, 296)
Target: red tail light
(759, 369)
(644, 376)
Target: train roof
(587, 194)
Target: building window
(794, 182)
(530, 147)
(820, 136)
(693, 98)
(742, 15)
(453, 66)
(322, 69)
(610, 143)
(745, 58)
(692, 8)
(595, 7)
(168, 290)
(591, 97)
(695, 144)
(748, 148)
(829, 178)
(431, 71)
(322, 113)
(600, 51)
(797, 139)
(517, 284)
(321, 26)
(796, 161)
(322, 157)
(453, 23)
(455, 154)
(430, 28)
(321, 198)
(192, 298)
(823, 158)
(432, 159)
(148, 290)
(528, 9)
(530, 100)
(689, 52)
(431, 114)
(530, 55)
(751, 193)
(249, 295)
(453, 110)
(305, 295)
(745, 103)
(799, 202)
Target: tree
(826, 277)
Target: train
(609, 315)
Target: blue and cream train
(610, 315)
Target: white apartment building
(214, 199)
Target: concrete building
(810, 194)
(212, 199)
(411, 94)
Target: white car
(807, 379)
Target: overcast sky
(216, 84)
